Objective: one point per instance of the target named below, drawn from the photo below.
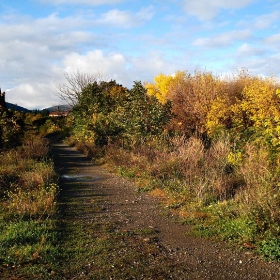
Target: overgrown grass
(224, 193)
(28, 191)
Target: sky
(130, 40)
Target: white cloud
(267, 65)
(124, 18)
(44, 31)
(224, 39)
(95, 62)
(33, 95)
(208, 9)
(79, 2)
(266, 20)
(29, 47)
(124, 69)
(273, 40)
(247, 51)
(31, 51)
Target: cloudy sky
(130, 40)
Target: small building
(58, 113)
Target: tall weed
(35, 147)
(33, 204)
(261, 195)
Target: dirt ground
(191, 257)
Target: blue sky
(130, 40)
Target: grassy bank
(222, 194)
(28, 191)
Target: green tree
(107, 111)
(144, 114)
(98, 112)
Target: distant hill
(15, 107)
(64, 108)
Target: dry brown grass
(34, 147)
(159, 193)
(217, 169)
(27, 183)
(261, 190)
(36, 203)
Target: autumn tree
(225, 112)
(261, 103)
(247, 107)
(191, 97)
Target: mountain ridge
(18, 108)
(60, 107)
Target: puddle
(76, 177)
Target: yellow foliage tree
(204, 103)
(226, 111)
(247, 102)
(162, 84)
(191, 97)
(262, 104)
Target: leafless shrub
(75, 82)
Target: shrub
(34, 147)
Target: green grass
(270, 248)
(28, 247)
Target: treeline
(209, 144)
(107, 112)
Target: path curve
(200, 258)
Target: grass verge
(28, 229)
(222, 194)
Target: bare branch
(75, 83)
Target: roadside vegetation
(28, 196)
(209, 145)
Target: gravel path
(197, 258)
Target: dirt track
(195, 258)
